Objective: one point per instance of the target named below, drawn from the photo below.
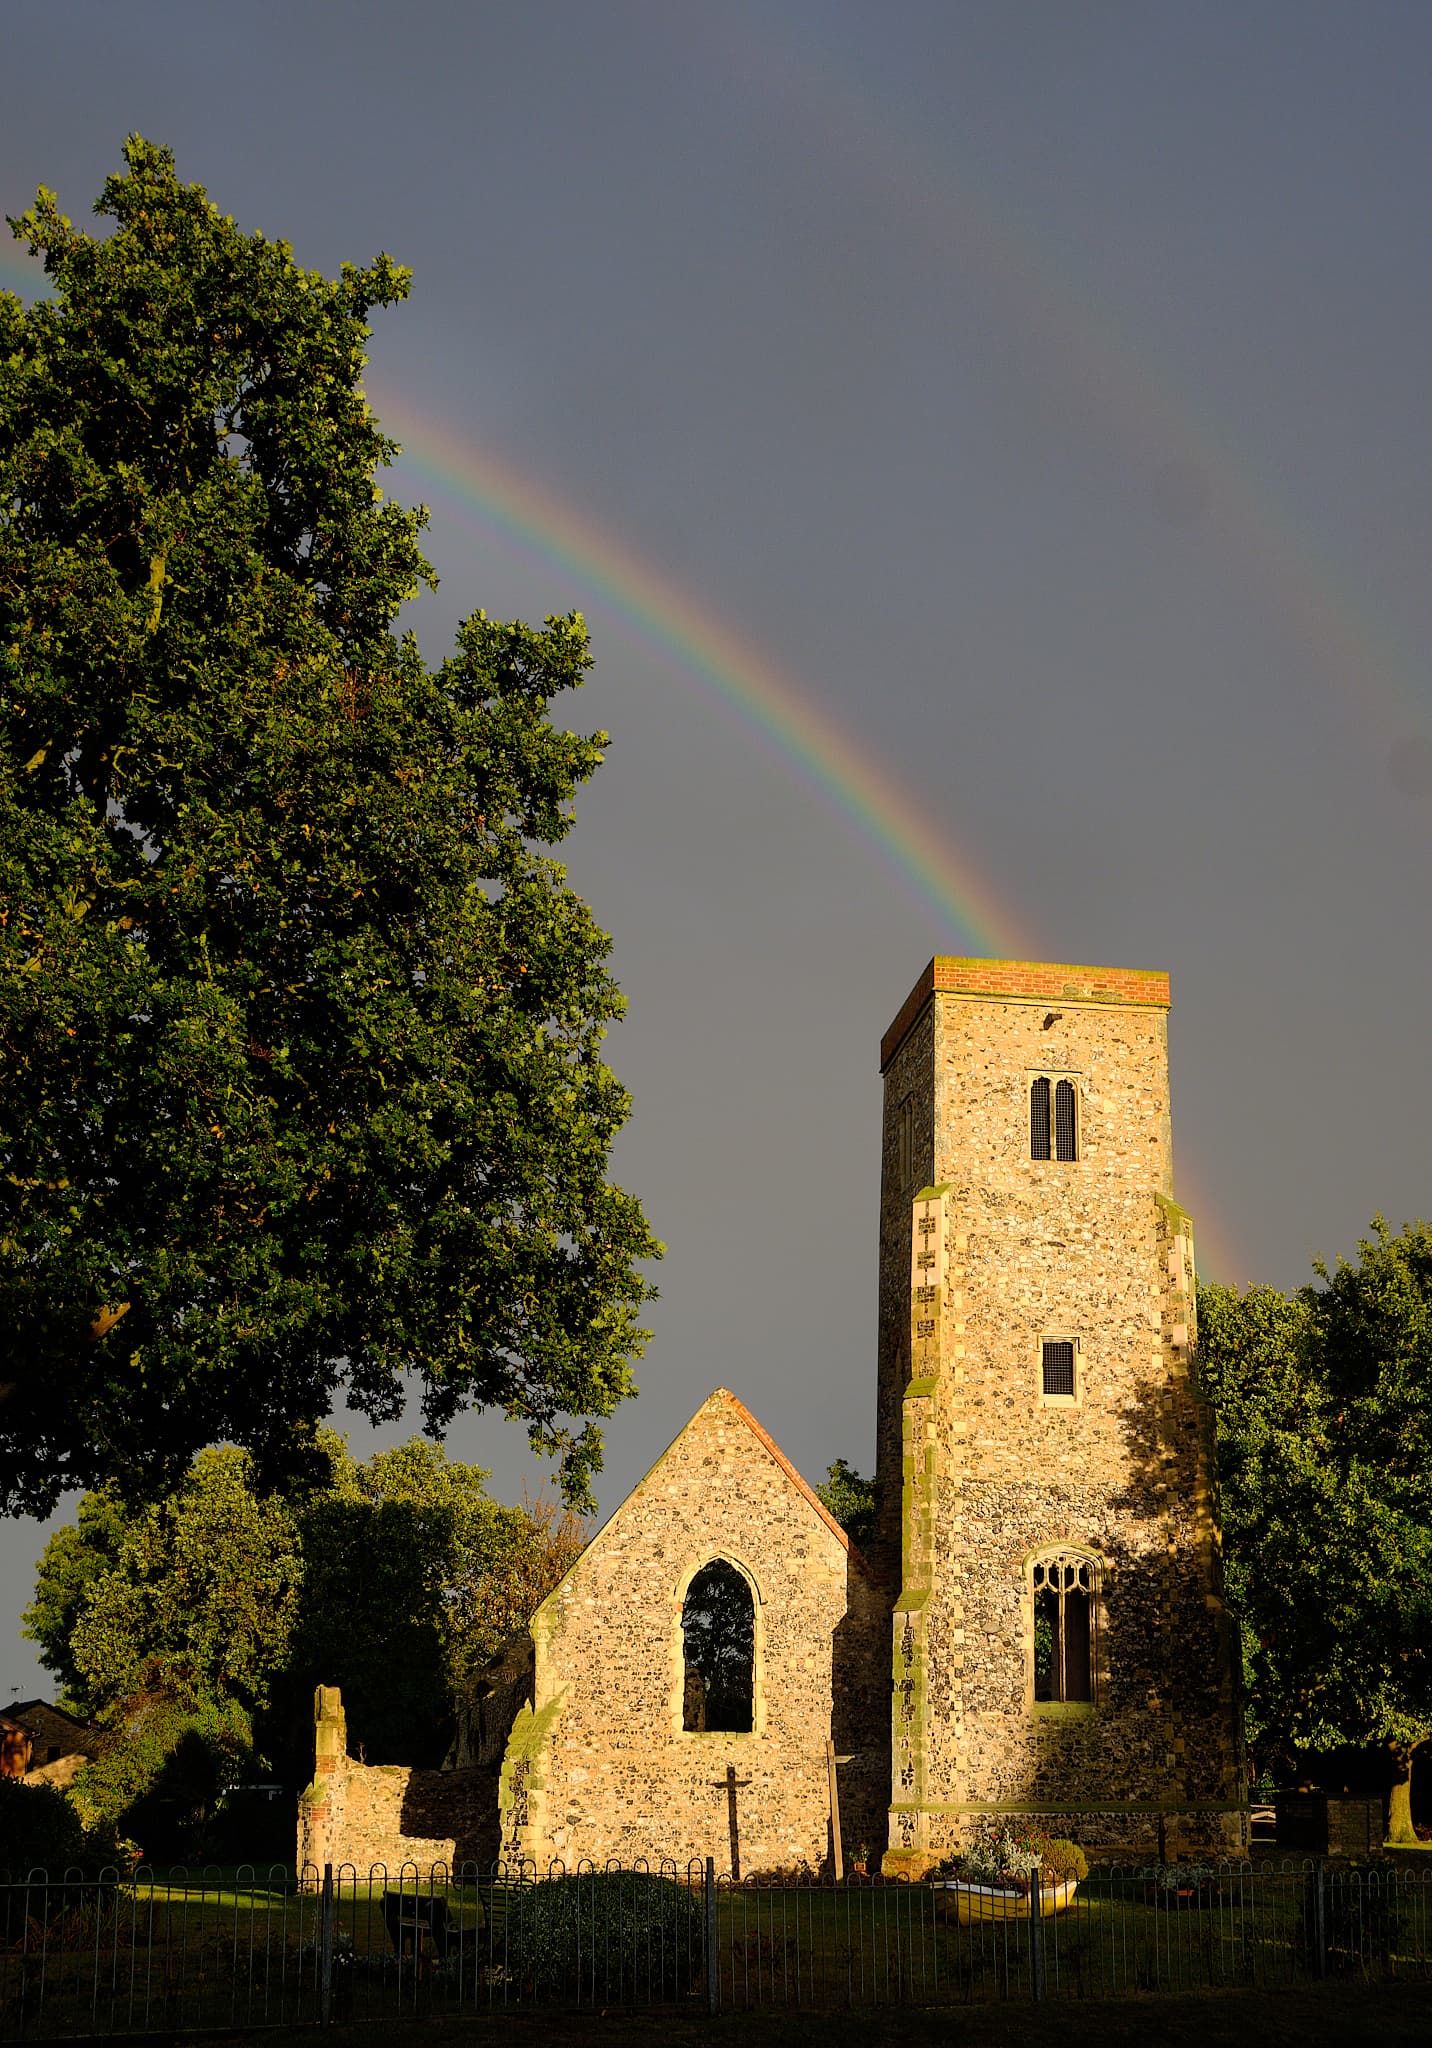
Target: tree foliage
(300, 1085)
(412, 1577)
(198, 1592)
(1324, 1407)
(195, 1628)
(851, 1500)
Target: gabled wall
(599, 1766)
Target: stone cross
(733, 1784)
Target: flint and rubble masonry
(600, 1765)
(985, 1253)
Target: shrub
(617, 1935)
(1063, 1858)
(1000, 1857)
(40, 1830)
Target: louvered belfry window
(1058, 1366)
(1039, 1119)
(1053, 1119)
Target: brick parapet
(1033, 981)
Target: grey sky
(1043, 389)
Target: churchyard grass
(224, 1949)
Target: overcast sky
(995, 430)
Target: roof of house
(17, 1710)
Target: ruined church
(1036, 1629)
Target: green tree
(412, 1577)
(1324, 1407)
(201, 1598)
(300, 1082)
(75, 1557)
(196, 1627)
(851, 1500)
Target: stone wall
(994, 1254)
(362, 1815)
(600, 1765)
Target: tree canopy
(300, 1082)
(851, 1499)
(1324, 1407)
(201, 1623)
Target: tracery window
(1053, 1118)
(1064, 1591)
(718, 1626)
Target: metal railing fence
(240, 1948)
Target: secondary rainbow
(1090, 357)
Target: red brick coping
(1030, 981)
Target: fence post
(713, 1967)
(1320, 1918)
(1036, 1940)
(325, 1950)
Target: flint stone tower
(1061, 1650)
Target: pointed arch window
(718, 1626)
(1065, 1589)
(1053, 1118)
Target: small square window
(1058, 1368)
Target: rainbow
(491, 496)
(729, 674)
(1087, 354)
(21, 273)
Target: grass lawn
(1124, 1963)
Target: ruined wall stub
(986, 1253)
(600, 1764)
(360, 1816)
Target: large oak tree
(300, 1084)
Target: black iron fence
(228, 1948)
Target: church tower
(1061, 1651)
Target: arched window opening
(1064, 1628)
(1039, 1118)
(1066, 1139)
(718, 1626)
